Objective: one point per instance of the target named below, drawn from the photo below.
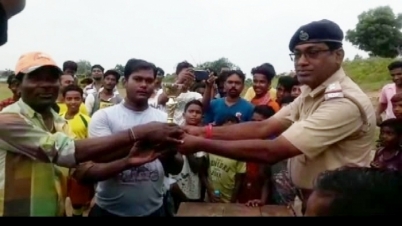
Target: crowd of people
(115, 154)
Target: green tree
(378, 32)
(84, 67)
(119, 68)
(217, 65)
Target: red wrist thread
(208, 131)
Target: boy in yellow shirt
(66, 80)
(225, 175)
(80, 195)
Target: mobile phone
(201, 75)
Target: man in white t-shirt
(97, 85)
(186, 77)
(131, 191)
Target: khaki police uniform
(332, 125)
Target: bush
(370, 73)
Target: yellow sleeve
(249, 94)
(240, 167)
(83, 109)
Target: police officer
(331, 124)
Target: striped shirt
(30, 183)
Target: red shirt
(253, 183)
(6, 102)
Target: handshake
(157, 140)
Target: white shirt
(189, 182)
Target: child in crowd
(286, 101)
(284, 87)
(188, 184)
(396, 101)
(295, 91)
(225, 175)
(80, 195)
(277, 188)
(255, 188)
(199, 87)
(389, 155)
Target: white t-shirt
(182, 100)
(153, 101)
(137, 191)
(188, 181)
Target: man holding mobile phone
(184, 76)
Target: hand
(254, 203)
(211, 80)
(186, 76)
(194, 130)
(138, 157)
(212, 198)
(189, 145)
(158, 132)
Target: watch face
(3, 26)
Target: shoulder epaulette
(333, 91)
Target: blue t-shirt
(218, 109)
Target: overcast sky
(166, 32)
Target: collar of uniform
(306, 91)
(31, 113)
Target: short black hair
(198, 85)
(266, 69)
(115, 73)
(183, 65)
(395, 65)
(11, 79)
(226, 119)
(287, 82)
(70, 65)
(86, 81)
(72, 87)
(135, 65)
(195, 102)
(238, 72)
(394, 124)
(264, 110)
(287, 100)
(160, 71)
(98, 66)
(361, 191)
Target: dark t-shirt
(388, 160)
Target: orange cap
(29, 62)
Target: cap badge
(303, 36)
